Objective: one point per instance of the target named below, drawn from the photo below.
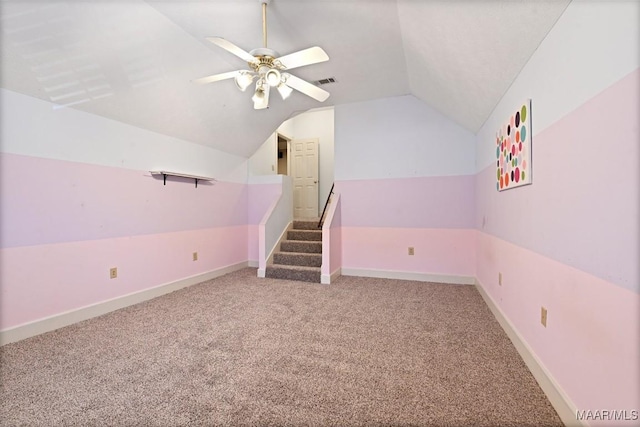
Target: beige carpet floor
(238, 350)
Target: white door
(304, 171)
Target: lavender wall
(66, 222)
(405, 174)
(569, 242)
(426, 202)
(49, 201)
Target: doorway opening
(282, 148)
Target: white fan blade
(216, 77)
(232, 48)
(313, 55)
(307, 88)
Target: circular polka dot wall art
(513, 149)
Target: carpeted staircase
(300, 255)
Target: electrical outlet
(543, 316)
(195, 256)
(500, 279)
(411, 250)
(113, 272)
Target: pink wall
(44, 280)
(447, 252)
(590, 344)
(65, 224)
(381, 218)
(569, 242)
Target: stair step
(301, 224)
(307, 247)
(315, 235)
(290, 272)
(296, 258)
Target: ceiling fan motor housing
(264, 52)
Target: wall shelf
(196, 178)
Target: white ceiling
(133, 60)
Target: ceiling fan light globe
(243, 81)
(261, 97)
(259, 105)
(284, 90)
(272, 77)
(258, 96)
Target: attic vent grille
(326, 81)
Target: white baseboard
(327, 279)
(262, 273)
(556, 395)
(409, 275)
(253, 263)
(67, 318)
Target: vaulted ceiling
(133, 60)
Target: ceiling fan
(269, 69)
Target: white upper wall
(33, 127)
(399, 137)
(595, 36)
(265, 160)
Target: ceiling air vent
(326, 81)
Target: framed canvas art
(513, 149)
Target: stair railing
(325, 206)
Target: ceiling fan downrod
(264, 21)
(263, 53)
